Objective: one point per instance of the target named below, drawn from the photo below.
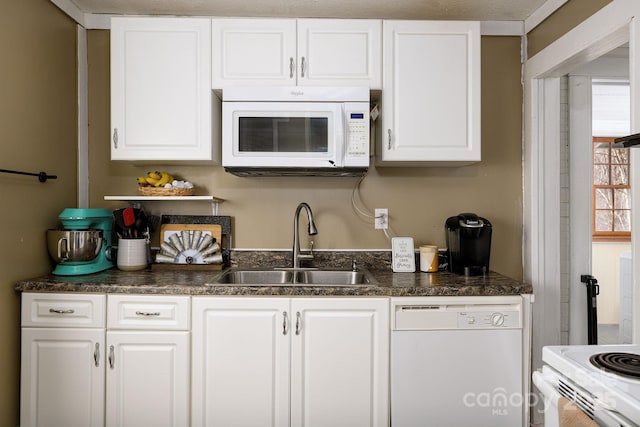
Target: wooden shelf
(215, 201)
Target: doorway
(599, 229)
(607, 29)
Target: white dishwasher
(457, 361)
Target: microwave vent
(267, 172)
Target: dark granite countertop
(196, 283)
(186, 282)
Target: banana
(165, 178)
(151, 181)
(154, 175)
(142, 180)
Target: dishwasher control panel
(489, 319)
(432, 313)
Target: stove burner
(625, 364)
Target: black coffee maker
(469, 243)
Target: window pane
(620, 174)
(603, 221)
(622, 221)
(601, 152)
(604, 198)
(601, 174)
(620, 155)
(622, 198)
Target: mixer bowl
(74, 245)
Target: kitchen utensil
(119, 222)
(129, 217)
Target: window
(611, 191)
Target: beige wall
(606, 268)
(419, 199)
(38, 124)
(560, 22)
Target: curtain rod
(42, 176)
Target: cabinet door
(340, 52)
(253, 52)
(62, 377)
(161, 89)
(431, 92)
(240, 362)
(147, 378)
(340, 362)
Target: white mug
(132, 254)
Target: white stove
(602, 380)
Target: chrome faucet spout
(312, 230)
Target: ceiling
(480, 10)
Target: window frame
(607, 236)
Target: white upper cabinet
(253, 51)
(161, 89)
(431, 93)
(340, 52)
(289, 52)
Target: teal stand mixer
(79, 225)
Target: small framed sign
(403, 255)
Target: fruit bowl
(161, 191)
(163, 184)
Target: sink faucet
(297, 256)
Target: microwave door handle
(342, 137)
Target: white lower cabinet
(290, 362)
(62, 382)
(137, 360)
(62, 370)
(148, 365)
(74, 374)
(147, 379)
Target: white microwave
(295, 131)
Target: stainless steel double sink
(294, 277)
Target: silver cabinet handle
(302, 67)
(389, 143)
(115, 137)
(96, 355)
(112, 357)
(298, 323)
(291, 67)
(147, 313)
(285, 323)
(60, 311)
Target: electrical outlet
(381, 218)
